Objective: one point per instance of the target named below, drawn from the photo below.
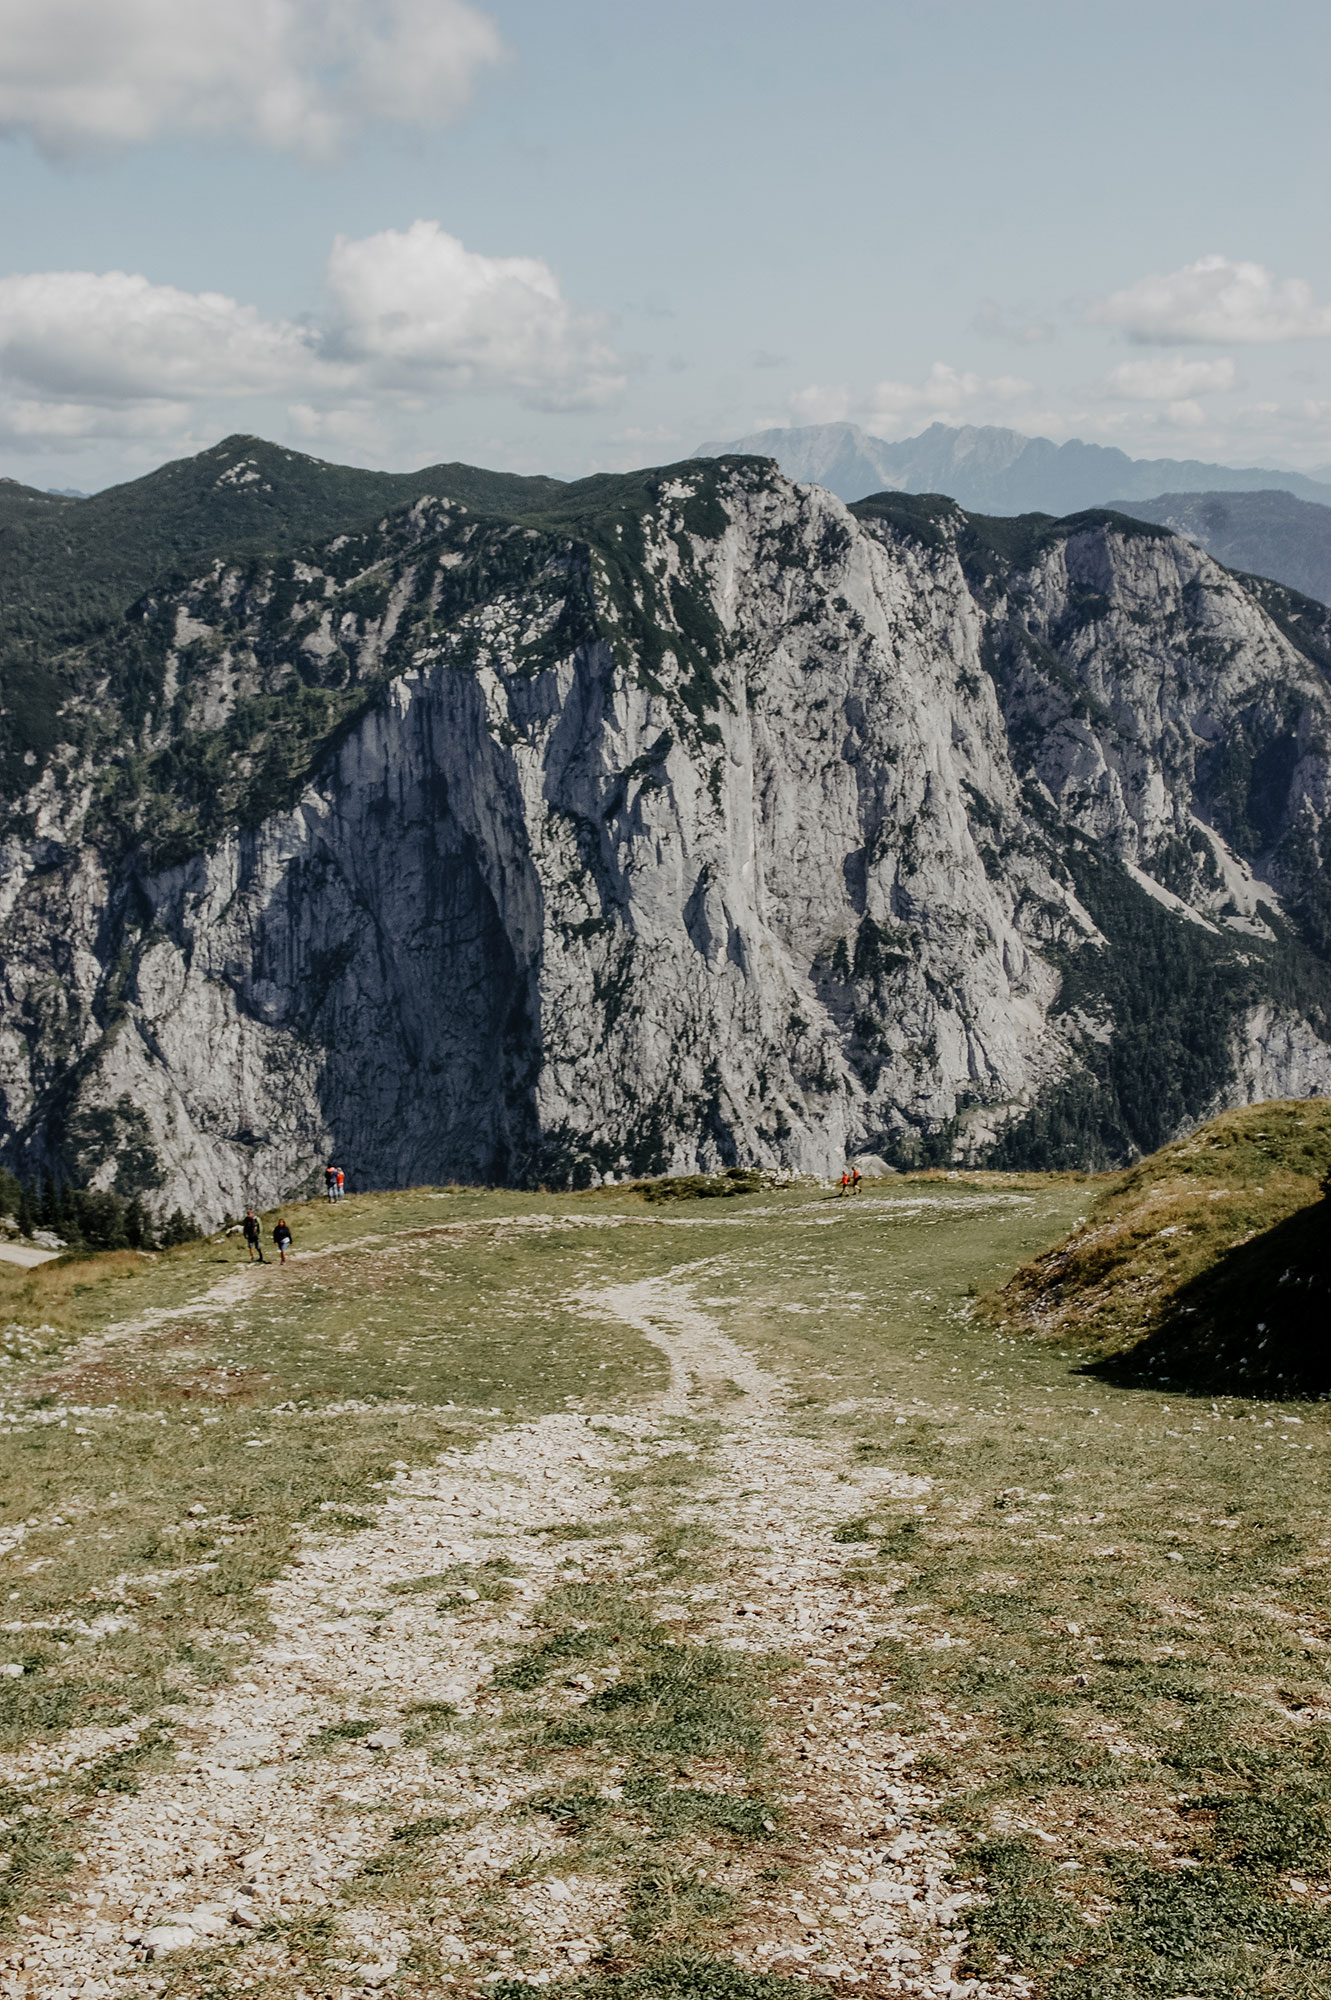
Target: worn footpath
(391, 1800)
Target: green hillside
(22, 503)
(264, 510)
(68, 564)
(1207, 1266)
(72, 568)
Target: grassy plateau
(1114, 1554)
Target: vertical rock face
(704, 821)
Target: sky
(569, 236)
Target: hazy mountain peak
(993, 470)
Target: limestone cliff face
(713, 823)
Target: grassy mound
(704, 1187)
(1205, 1267)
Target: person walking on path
(282, 1238)
(253, 1236)
(341, 1183)
(330, 1183)
(844, 1188)
(855, 1178)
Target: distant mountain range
(993, 471)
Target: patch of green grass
(665, 1904)
(1023, 1922)
(675, 1811)
(310, 1934)
(39, 1848)
(860, 1530)
(568, 1812)
(1265, 1834)
(678, 1975)
(427, 1828)
(428, 1715)
(353, 1729)
(684, 1701)
(1203, 1930)
(465, 1583)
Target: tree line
(90, 1218)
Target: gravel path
(213, 1876)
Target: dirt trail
(703, 1360)
(262, 1822)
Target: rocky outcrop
(703, 821)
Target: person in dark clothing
(330, 1183)
(282, 1238)
(253, 1236)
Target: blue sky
(577, 236)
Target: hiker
(855, 1178)
(330, 1183)
(253, 1236)
(341, 1183)
(282, 1238)
(844, 1188)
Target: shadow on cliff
(1258, 1321)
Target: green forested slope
(69, 569)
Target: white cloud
(1216, 300)
(1167, 378)
(414, 309)
(298, 75)
(28, 422)
(943, 390)
(114, 337)
(411, 315)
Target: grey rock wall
(735, 828)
